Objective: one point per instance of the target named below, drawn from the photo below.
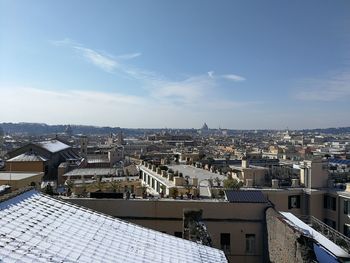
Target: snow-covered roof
(38, 228)
(53, 145)
(28, 157)
(14, 176)
(92, 172)
(317, 236)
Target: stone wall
(285, 243)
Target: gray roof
(14, 176)
(38, 228)
(245, 196)
(28, 157)
(92, 172)
(53, 146)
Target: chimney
(275, 183)
(164, 173)
(195, 181)
(245, 162)
(170, 176)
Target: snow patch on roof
(53, 145)
(321, 239)
(28, 157)
(37, 228)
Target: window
(329, 202)
(293, 201)
(250, 243)
(347, 230)
(178, 234)
(347, 207)
(330, 223)
(225, 242)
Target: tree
(163, 167)
(70, 185)
(116, 185)
(174, 192)
(187, 180)
(48, 189)
(210, 182)
(99, 185)
(144, 191)
(217, 181)
(232, 183)
(163, 188)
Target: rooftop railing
(329, 232)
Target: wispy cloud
(189, 91)
(233, 77)
(336, 86)
(129, 56)
(106, 63)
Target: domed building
(204, 130)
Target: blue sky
(176, 64)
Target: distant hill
(42, 128)
(340, 130)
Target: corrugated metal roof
(53, 146)
(37, 228)
(28, 157)
(245, 196)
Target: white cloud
(30, 104)
(233, 77)
(211, 74)
(336, 86)
(129, 56)
(190, 93)
(99, 60)
(191, 90)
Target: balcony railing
(329, 232)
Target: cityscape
(163, 131)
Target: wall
(16, 184)
(25, 166)
(286, 244)
(166, 215)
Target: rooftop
(194, 172)
(53, 146)
(28, 157)
(324, 242)
(17, 175)
(245, 196)
(92, 172)
(38, 228)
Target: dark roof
(339, 161)
(245, 196)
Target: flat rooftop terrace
(194, 172)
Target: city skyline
(234, 65)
